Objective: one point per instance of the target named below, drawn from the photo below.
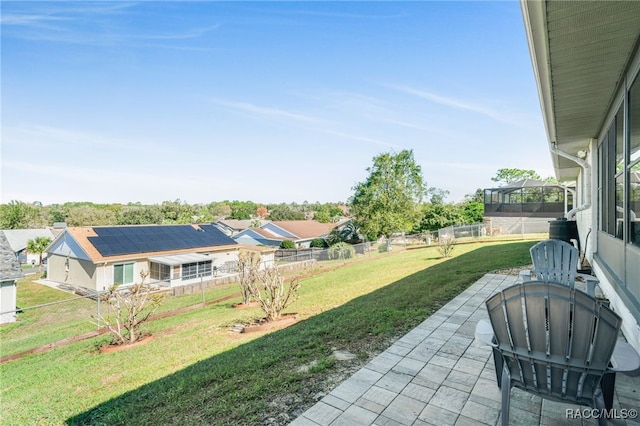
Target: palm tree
(348, 233)
(38, 245)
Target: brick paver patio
(437, 375)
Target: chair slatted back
(555, 260)
(556, 341)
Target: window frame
(124, 266)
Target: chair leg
(498, 361)
(506, 394)
(598, 400)
(608, 384)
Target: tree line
(22, 215)
(394, 198)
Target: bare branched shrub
(269, 289)
(446, 243)
(249, 265)
(129, 307)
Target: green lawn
(44, 325)
(194, 371)
(56, 321)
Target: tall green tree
(476, 197)
(37, 246)
(389, 200)
(472, 212)
(327, 213)
(219, 210)
(437, 216)
(143, 215)
(18, 215)
(242, 209)
(514, 175)
(90, 215)
(472, 208)
(284, 212)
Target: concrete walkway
(437, 375)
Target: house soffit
(588, 47)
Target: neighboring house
(526, 204)
(18, 239)
(233, 227)
(10, 272)
(259, 237)
(301, 232)
(99, 257)
(586, 62)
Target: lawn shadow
(238, 386)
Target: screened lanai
(528, 197)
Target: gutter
(586, 168)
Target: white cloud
(456, 103)
(267, 112)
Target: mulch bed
(263, 325)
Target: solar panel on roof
(111, 241)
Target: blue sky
(263, 101)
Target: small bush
(248, 264)
(129, 308)
(318, 243)
(341, 251)
(446, 245)
(269, 289)
(287, 244)
(384, 247)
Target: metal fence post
(98, 317)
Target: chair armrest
(625, 359)
(525, 275)
(590, 282)
(484, 333)
(587, 277)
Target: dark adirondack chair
(557, 260)
(556, 342)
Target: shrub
(287, 244)
(341, 251)
(131, 307)
(248, 265)
(384, 247)
(318, 243)
(268, 288)
(446, 245)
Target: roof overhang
(180, 259)
(580, 52)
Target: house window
(189, 271)
(611, 178)
(123, 273)
(196, 269)
(160, 271)
(633, 175)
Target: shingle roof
(18, 238)
(267, 234)
(130, 242)
(9, 266)
(305, 229)
(240, 224)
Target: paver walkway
(437, 375)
